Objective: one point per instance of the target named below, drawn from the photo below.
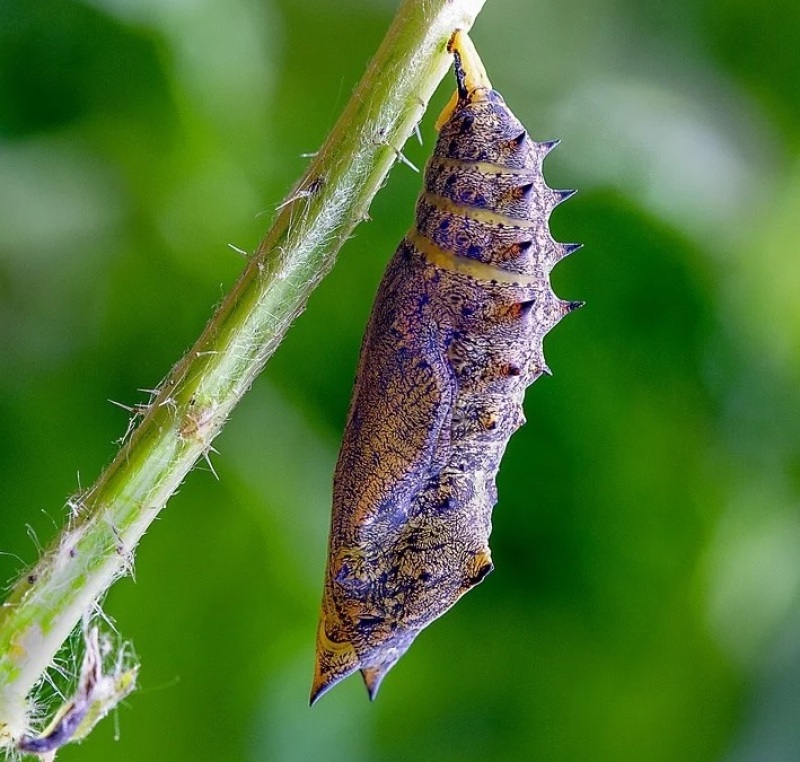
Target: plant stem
(191, 406)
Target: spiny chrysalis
(454, 339)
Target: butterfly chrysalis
(454, 338)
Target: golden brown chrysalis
(454, 339)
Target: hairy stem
(197, 396)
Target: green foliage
(648, 608)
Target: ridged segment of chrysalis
(454, 339)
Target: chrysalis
(454, 339)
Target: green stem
(192, 404)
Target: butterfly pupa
(454, 339)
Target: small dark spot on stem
(315, 184)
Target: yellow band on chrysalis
(472, 267)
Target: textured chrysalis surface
(454, 339)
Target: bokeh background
(646, 598)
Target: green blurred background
(646, 598)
